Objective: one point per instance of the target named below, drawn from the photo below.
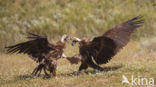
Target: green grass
(82, 18)
(15, 70)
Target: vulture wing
(36, 47)
(121, 33)
(103, 48)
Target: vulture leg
(45, 72)
(53, 71)
(83, 66)
(40, 69)
(93, 65)
(34, 71)
(37, 69)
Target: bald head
(65, 38)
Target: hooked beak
(75, 40)
(73, 43)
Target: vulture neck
(84, 42)
(63, 39)
(61, 44)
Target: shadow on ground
(106, 69)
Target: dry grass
(15, 70)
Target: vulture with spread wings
(104, 47)
(41, 51)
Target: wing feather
(122, 32)
(104, 47)
(35, 47)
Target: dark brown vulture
(103, 48)
(43, 52)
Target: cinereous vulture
(104, 47)
(41, 51)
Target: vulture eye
(67, 38)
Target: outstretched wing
(35, 47)
(103, 48)
(121, 33)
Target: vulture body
(104, 47)
(41, 51)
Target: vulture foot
(37, 70)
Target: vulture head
(83, 41)
(75, 40)
(65, 38)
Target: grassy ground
(15, 70)
(76, 18)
